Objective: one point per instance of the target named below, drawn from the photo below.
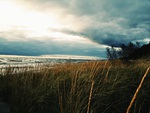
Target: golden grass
(137, 90)
(90, 97)
(96, 86)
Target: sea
(31, 61)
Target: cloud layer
(104, 21)
(51, 47)
(92, 25)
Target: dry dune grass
(90, 87)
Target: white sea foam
(14, 60)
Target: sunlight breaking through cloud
(74, 22)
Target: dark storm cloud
(50, 47)
(109, 22)
(117, 22)
(117, 37)
(121, 21)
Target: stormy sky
(71, 27)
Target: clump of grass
(137, 91)
(92, 87)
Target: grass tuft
(91, 87)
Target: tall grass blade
(137, 91)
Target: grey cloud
(116, 38)
(114, 22)
(136, 9)
(49, 47)
(108, 22)
(131, 21)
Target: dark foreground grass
(93, 87)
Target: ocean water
(22, 61)
(26, 63)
